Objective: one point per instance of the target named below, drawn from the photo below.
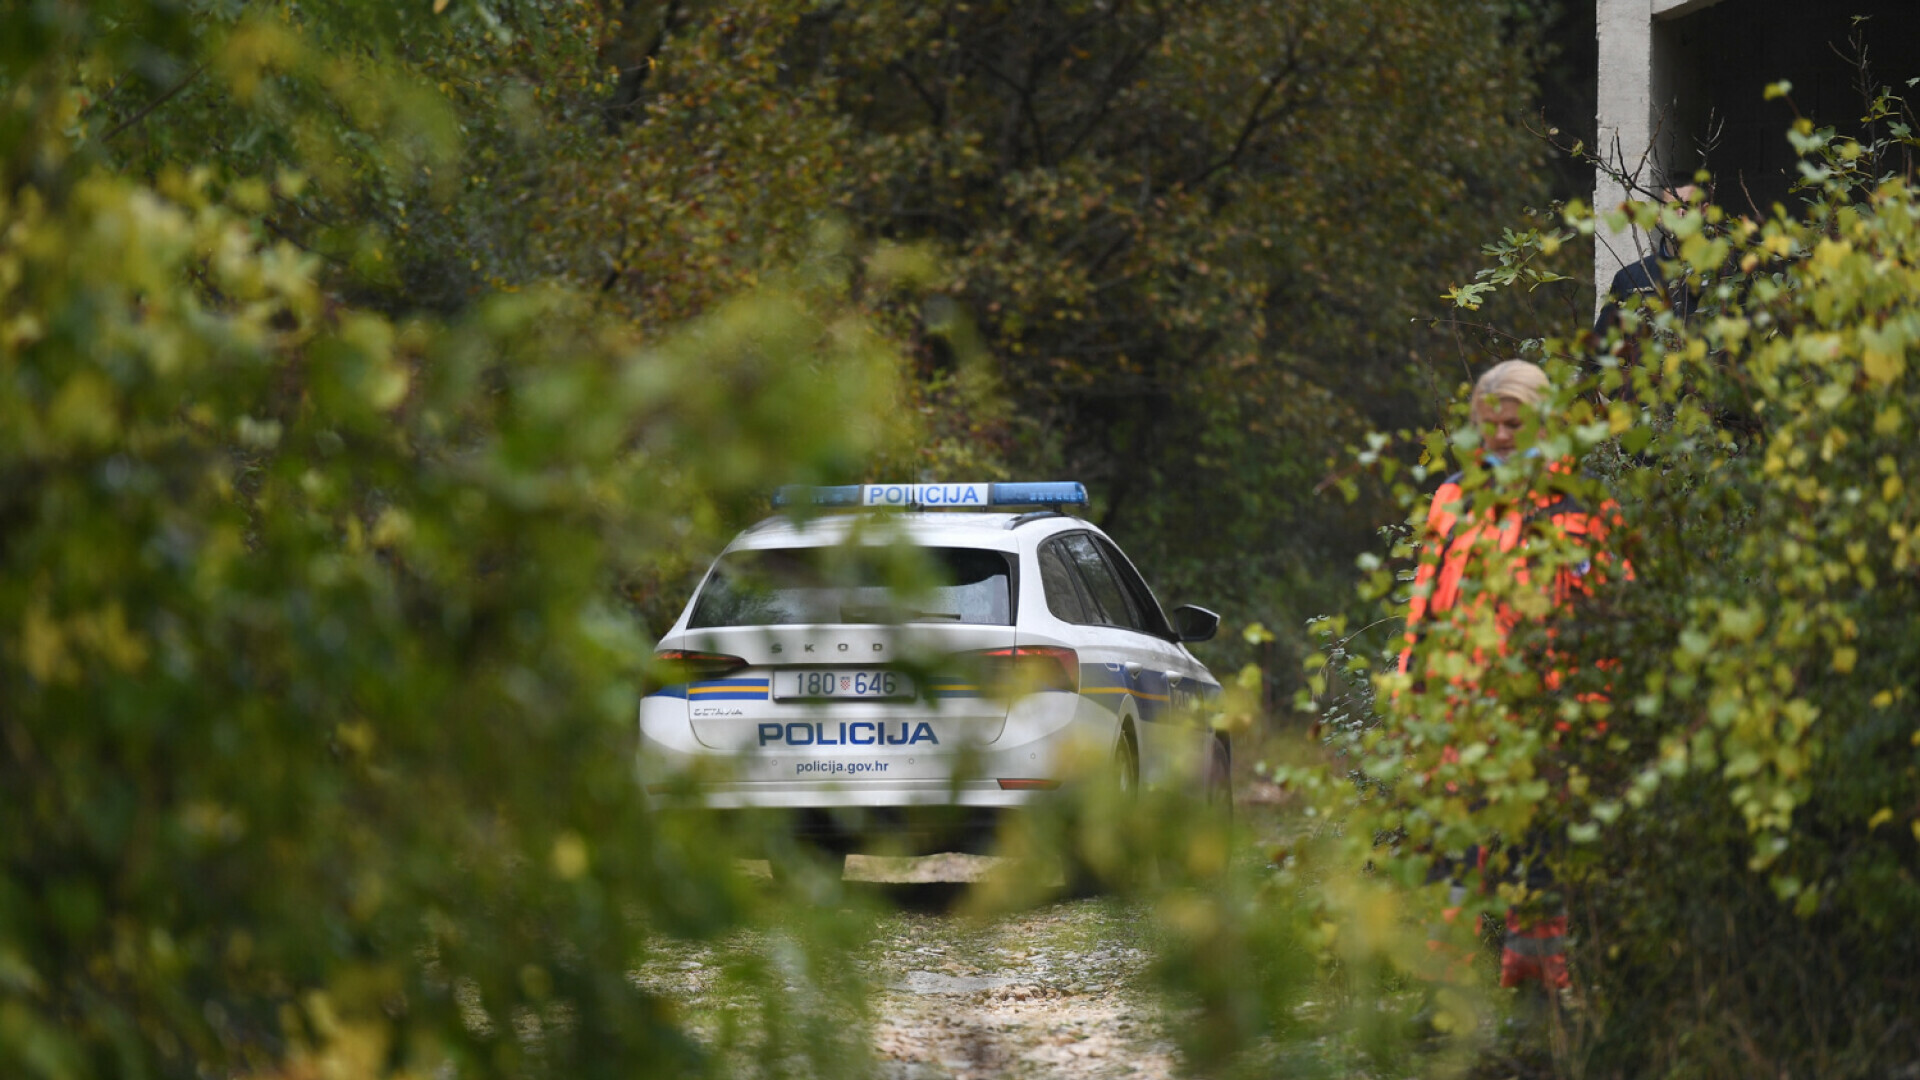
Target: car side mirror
(1193, 623)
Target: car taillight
(1025, 669)
(675, 666)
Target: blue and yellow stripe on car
(730, 690)
(1109, 686)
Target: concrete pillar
(1629, 116)
(1625, 123)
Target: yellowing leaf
(569, 856)
(1844, 658)
(1883, 367)
(1742, 623)
(1880, 817)
(83, 412)
(387, 386)
(107, 634)
(393, 526)
(44, 645)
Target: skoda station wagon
(899, 654)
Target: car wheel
(1219, 779)
(1083, 878)
(1126, 765)
(807, 869)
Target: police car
(959, 646)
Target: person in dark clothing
(1645, 278)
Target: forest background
(369, 365)
(1183, 254)
(379, 376)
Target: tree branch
(1116, 79)
(154, 104)
(633, 80)
(934, 104)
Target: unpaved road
(1055, 991)
(1058, 991)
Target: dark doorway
(1712, 68)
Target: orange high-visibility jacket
(1456, 533)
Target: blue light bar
(938, 496)
(1041, 493)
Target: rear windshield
(780, 586)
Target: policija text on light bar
(943, 496)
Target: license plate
(823, 684)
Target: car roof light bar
(938, 496)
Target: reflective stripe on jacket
(1455, 535)
(1534, 950)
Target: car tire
(1125, 775)
(1122, 778)
(1219, 778)
(808, 870)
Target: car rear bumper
(879, 830)
(794, 795)
(1020, 762)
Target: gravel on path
(1054, 992)
(1060, 990)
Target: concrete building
(1682, 83)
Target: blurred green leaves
(371, 374)
(318, 678)
(1707, 781)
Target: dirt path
(1056, 991)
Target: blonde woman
(1503, 399)
(1463, 544)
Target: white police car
(853, 666)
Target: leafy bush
(1724, 783)
(318, 685)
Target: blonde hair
(1514, 380)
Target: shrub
(1724, 784)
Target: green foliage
(1722, 780)
(374, 374)
(316, 667)
(319, 686)
(1195, 239)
